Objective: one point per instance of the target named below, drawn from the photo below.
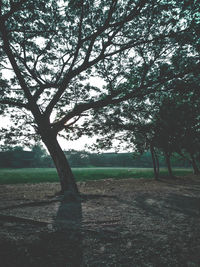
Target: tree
(168, 121)
(50, 49)
(38, 156)
(165, 130)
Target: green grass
(38, 175)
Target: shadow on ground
(173, 203)
(61, 246)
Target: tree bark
(155, 167)
(167, 158)
(64, 171)
(194, 165)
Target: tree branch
(66, 126)
(106, 25)
(13, 103)
(115, 99)
(79, 37)
(6, 46)
(72, 73)
(16, 6)
(87, 64)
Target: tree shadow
(176, 180)
(60, 245)
(187, 205)
(171, 205)
(67, 232)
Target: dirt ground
(115, 223)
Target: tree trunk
(194, 165)
(65, 174)
(156, 174)
(167, 158)
(157, 163)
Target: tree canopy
(51, 48)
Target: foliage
(50, 49)
(166, 122)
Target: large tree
(50, 49)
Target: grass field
(38, 175)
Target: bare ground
(118, 223)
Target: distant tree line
(38, 158)
(17, 157)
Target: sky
(76, 144)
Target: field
(38, 175)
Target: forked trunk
(167, 158)
(65, 174)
